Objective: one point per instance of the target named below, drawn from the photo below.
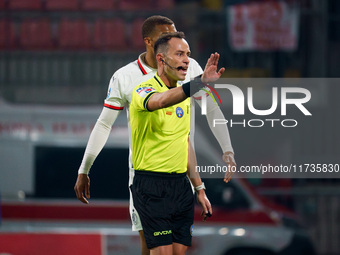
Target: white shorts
(136, 223)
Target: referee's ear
(160, 59)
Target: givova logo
(162, 233)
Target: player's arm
(100, 134)
(197, 183)
(221, 134)
(96, 142)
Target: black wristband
(196, 84)
(186, 88)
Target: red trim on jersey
(141, 67)
(113, 107)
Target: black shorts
(165, 204)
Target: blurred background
(56, 60)
(60, 46)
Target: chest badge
(179, 112)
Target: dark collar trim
(158, 81)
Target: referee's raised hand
(82, 187)
(210, 73)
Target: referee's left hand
(205, 204)
(210, 73)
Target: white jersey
(127, 78)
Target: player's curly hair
(151, 22)
(161, 45)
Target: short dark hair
(151, 22)
(162, 43)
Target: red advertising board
(50, 243)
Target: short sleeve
(115, 95)
(141, 95)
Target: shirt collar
(161, 83)
(159, 80)
(145, 69)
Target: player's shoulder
(147, 78)
(146, 84)
(128, 70)
(193, 62)
(149, 82)
(194, 68)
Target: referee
(160, 124)
(119, 97)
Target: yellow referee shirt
(159, 138)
